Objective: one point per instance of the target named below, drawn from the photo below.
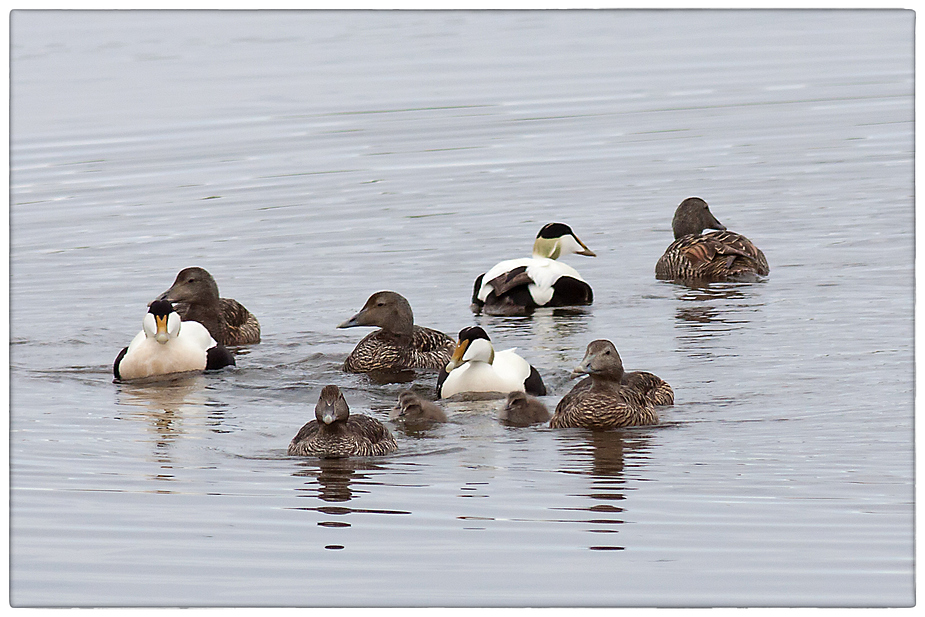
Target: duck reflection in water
(707, 313)
(167, 405)
(603, 454)
(334, 477)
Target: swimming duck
(399, 345)
(167, 345)
(518, 286)
(522, 409)
(475, 367)
(336, 433)
(412, 409)
(716, 256)
(604, 403)
(195, 296)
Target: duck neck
(547, 248)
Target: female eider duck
(412, 409)
(522, 409)
(398, 345)
(167, 345)
(195, 296)
(603, 401)
(519, 286)
(475, 367)
(716, 256)
(336, 433)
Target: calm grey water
(309, 159)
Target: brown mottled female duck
(398, 345)
(335, 433)
(194, 295)
(522, 409)
(603, 402)
(716, 256)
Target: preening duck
(167, 345)
(412, 409)
(522, 409)
(475, 367)
(603, 402)
(336, 433)
(398, 345)
(195, 297)
(716, 256)
(519, 286)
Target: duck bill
(356, 320)
(458, 354)
(714, 224)
(161, 335)
(585, 250)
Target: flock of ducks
(189, 328)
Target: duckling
(412, 409)
(336, 433)
(398, 345)
(519, 286)
(523, 410)
(195, 296)
(605, 403)
(167, 345)
(475, 367)
(716, 256)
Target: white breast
(186, 352)
(506, 374)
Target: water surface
(309, 159)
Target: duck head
(557, 239)
(192, 286)
(601, 361)
(692, 217)
(386, 309)
(161, 322)
(332, 406)
(473, 346)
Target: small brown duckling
(413, 409)
(522, 409)
(336, 433)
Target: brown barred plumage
(603, 401)
(335, 433)
(716, 256)
(399, 345)
(194, 295)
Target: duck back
(714, 256)
(385, 351)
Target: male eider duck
(475, 367)
(336, 433)
(522, 409)
(167, 346)
(716, 256)
(604, 402)
(399, 345)
(412, 409)
(195, 297)
(518, 286)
